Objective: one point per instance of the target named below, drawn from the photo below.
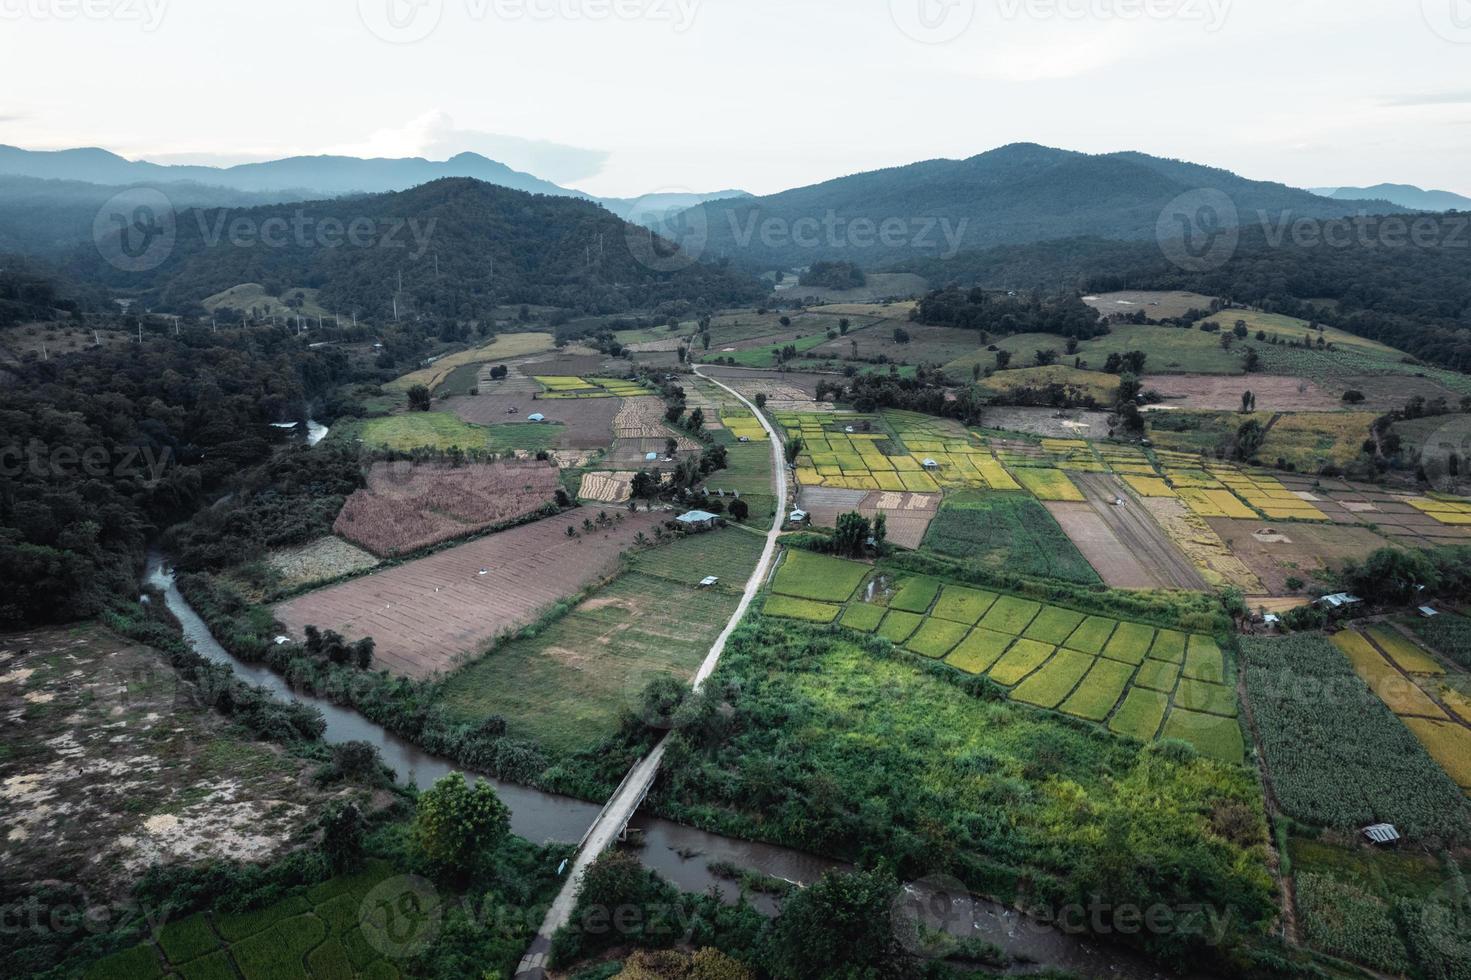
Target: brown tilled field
(1295, 550)
(588, 421)
(406, 507)
(909, 514)
(426, 615)
(1274, 393)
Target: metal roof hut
(1383, 834)
(697, 520)
(538, 417)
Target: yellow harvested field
(1050, 485)
(1148, 486)
(502, 348)
(608, 488)
(1448, 743)
(1406, 655)
(1215, 503)
(1396, 690)
(1203, 546)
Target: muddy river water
(680, 854)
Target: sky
(628, 97)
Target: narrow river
(680, 854)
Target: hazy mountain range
(313, 177)
(1016, 194)
(1405, 195)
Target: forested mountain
(459, 248)
(49, 218)
(114, 443)
(1404, 195)
(1013, 195)
(1379, 284)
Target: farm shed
(538, 417)
(1426, 612)
(1383, 834)
(697, 520)
(1339, 601)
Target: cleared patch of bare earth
(1277, 552)
(407, 507)
(1141, 554)
(1049, 422)
(426, 616)
(908, 514)
(112, 765)
(1274, 393)
(1156, 305)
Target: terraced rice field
(566, 386)
(1138, 680)
(426, 615)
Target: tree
(671, 446)
(844, 326)
(880, 531)
(853, 532)
(901, 336)
(1353, 397)
(419, 399)
(1391, 575)
(1046, 357)
(1003, 359)
(362, 653)
(786, 321)
(739, 509)
(1249, 439)
(457, 825)
(760, 399)
(1248, 402)
(794, 449)
(840, 927)
(344, 830)
(697, 420)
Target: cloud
(434, 135)
(1462, 97)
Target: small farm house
(697, 520)
(538, 417)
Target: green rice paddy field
(1138, 680)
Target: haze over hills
(1016, 194)
(1405, 195)
(304, 177)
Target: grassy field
(1008, 532)
(440, 430)
(873, 728)
(566, 684)
(748, 472)
(502, 348)
(1170, 349)
(1102, 388)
